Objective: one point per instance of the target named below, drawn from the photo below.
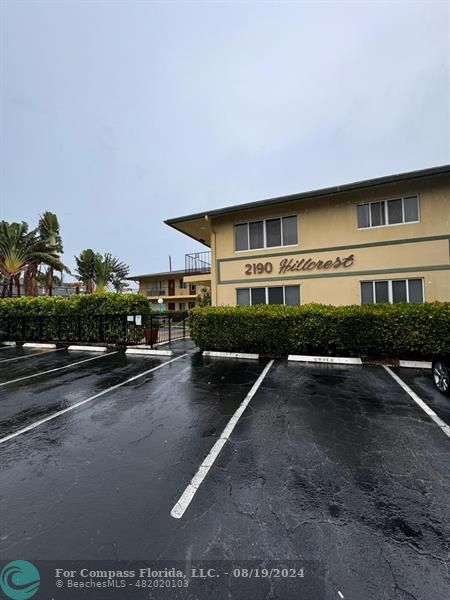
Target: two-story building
(380, 240)
(177, 290)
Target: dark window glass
(273, 233)
(399, 291)
(258, 295)
(275, 295)
(182, 306)
(290, 235)
(256, 232)
(363, 215)
(381, 291)
(411, 207)
(243, 297)
(395, 214)
(292, 295)
(366, 292)
(241, 237)
(377, 213)
(415, 290)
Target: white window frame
(390, 293)
(266, 288)
(385, 210)
(265, 247)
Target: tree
(204, 297)
(86, 269)
(99, 271)
(49, 233)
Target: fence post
(59, 327)
(100, 333)
(184, 326)
(79, 328)
(24, 326)
(170, 330)
(151, 331)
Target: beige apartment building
(175, 292)
(373, 241)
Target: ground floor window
(182, 306)
(392, 291)
(282, 294)
(171, 305)
(191, 305)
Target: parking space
(329, 463)
(421, 382)
(29, 361)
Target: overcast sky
(118, 115)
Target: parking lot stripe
(186, 497)
(30, 355)
(78, 362)
(445, 428)
(78, 404)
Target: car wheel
(441, 377)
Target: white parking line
(78, 362)
(445, 428)
(186, 497)
(77, 404)
(30, 355)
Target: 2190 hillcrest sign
(290, 265)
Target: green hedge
(94, 304)
(77, 318)
(381, 330)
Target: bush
(93, 304)
(380, 330)
(83, 318)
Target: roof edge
(387, 179)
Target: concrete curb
(415, 364)
(230, 354)
(89, 348)
(339, 360)
(149, 351)
(38, 345)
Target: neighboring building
(178, 289)
(380, 240)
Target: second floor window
(269, 233)
(388, 212)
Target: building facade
(176, 293)
(380, 240)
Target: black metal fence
(197, 262)
(121, 329)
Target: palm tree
(49, 233)
(22, 251)
(86, 269)
(109, 270)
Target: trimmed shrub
(94, 304)
(372, 330)
(84, 318)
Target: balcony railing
(197, 262)
(156, 292)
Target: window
(182, 284)
(388, 212)
(256, 234)
(182, 306)
(393, 291)
(283, 294)
(271, 233)
(171, 306)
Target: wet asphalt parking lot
(328, 463)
